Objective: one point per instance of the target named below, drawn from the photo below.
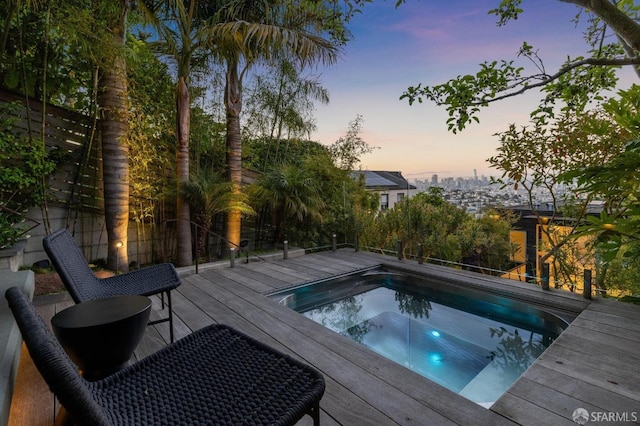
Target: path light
(119, 245)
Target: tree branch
(565, 69)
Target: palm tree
(290, 193)
(112, 100)
(209, 194)
(177, 42)
(251, 32)
(184, 31)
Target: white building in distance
(391, 186)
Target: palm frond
(267, 41)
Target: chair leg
(315, 414)
(169, 318)
(170, 315)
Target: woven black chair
(214, 376)
(83, 285)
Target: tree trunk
(233, 105)
(183, 226)
(115, 150)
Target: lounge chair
(214, 376)
(83, 285)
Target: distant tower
(434, 179)
(475, 175)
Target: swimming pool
(472, 342)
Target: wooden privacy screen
(77, 182)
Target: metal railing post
(545, 276)
(586, 291)
(164, 241)
(197, 249)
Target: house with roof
(391, 186)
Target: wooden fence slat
(69, 131)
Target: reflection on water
(513, 354)
(342, 315)
(473, 355)
(416, 306)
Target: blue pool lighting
(435, 333)
(435, 358)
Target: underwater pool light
(435, 333)
(435, 358)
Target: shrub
(25, 165)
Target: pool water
(473, 343)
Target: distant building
(391, 186)
(434, 179)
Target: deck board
(327, 266)
(282, 273)
(589, 370)
(594, 364)
(555, 402)
(526, 413)
(609, 324)
(586, 393)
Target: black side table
(101, 335)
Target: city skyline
(429, 43)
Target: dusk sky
(431, 41)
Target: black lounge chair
(214, 376)
(83, 285)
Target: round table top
(100, 311)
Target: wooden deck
(594, 364)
